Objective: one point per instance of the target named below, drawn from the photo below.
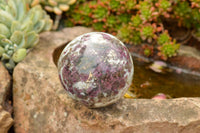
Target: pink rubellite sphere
(96, 69)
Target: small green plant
(164, 38)
(148, 50)
(19, 28)
(145, 9)
(168, 49)
(128, 35)
(147, 33)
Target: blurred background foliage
(139, 22)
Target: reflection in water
(147, 83)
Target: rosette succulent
(95, 69)
(19, 28)
(56, 6)
(169, 49)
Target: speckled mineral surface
(95, 69)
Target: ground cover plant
(138, 22)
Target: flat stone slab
(41, 105)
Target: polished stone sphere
(96, 69)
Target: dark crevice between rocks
(8, 104)
(11, 130)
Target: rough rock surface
(189, 51)
(188, 57)
(5, 86)
(41, 105)
(5, 121)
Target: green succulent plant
(124, 18)
(184, 11)
(56, 6)
(136, 20)
(163, 38)
(169, 49)
(165, 4)
(124, 33)
(145, 9)
(100, 13)
(114, 4)
(129, 36)
(19, 28)
(98, 26)
(86, 10)
(147, 31)
(196, 15)
(147, 52)
(111, 21)
(130, 4)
